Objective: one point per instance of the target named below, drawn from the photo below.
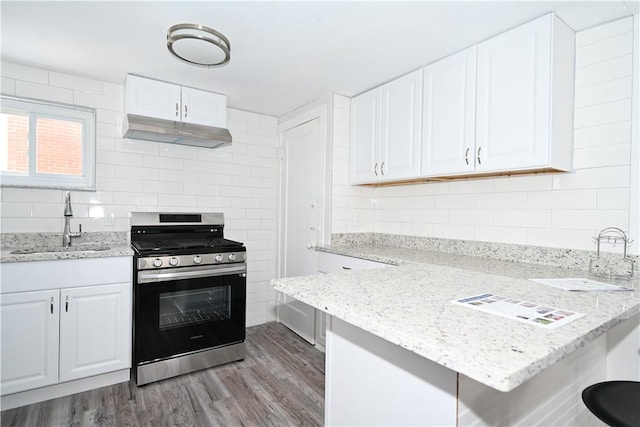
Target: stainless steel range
(189, 294)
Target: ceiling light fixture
(198, 45)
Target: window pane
(59, 147)
(15, 147)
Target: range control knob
(157, 262)
(218, 258)
(173, 262)
(232, 257)
(197, 259)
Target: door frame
(320, 112)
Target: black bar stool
(616, 403)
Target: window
(46, 145)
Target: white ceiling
(283, 54)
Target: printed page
(522, 311)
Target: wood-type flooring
(280, 383)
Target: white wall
(559, 210)
(240, 180)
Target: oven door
(187, 309)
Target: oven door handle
(148, 276)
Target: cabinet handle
(66, 304)
(466, 156)
(51, 305)
(346, 268)
(382, 168)
(185, 111)
(177, 109)
(375, 169)
(479, 161)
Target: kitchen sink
(49, 249)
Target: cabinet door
(152, 98)
(365, 137)
(95, 326)
(204, 108)
(401, 123)
(512, 122)
(448, 115)
(29, 340)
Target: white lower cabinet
(78, 326)
(94, 330)
(30, 331)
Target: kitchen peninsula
(400, 352)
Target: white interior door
(303, 165)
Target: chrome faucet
(67, 234)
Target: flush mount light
(198, 45)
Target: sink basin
(49, 249)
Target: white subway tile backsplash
(472, 186)
(612, 90)
(16, 194)
(610, 155)
(149, 161)
(608, 177)
(150, 186)
(613, 198)
(562, 199)
(602, 50)
(603, 32)
(26, 89)
(7, 86)
(523, 183)
(522, 218)
(601, 135)
(603, 71)
(119, 184)
(24, 73)
(31, 225)
(73, 82)
(512, 200)
(515, 235)
(610, 112)
(590, 219)
(113, 90)
(177, 200)
(16, 210)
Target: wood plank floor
(280, 383)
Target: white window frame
(36, 108)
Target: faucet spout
(67, 234)
(67, 204)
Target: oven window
(203, 305)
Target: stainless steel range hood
(159, 130)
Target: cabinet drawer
(332, 263)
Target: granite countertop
(410, 305)
(90, 245)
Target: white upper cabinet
(504, 105)
(524, 101)
(385, 132)
(365, 136)
(448, 115)
(204, 108)
(162, 100)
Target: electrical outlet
(109, 219)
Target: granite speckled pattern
(118, 244)
(556, 257)
(409, 305)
